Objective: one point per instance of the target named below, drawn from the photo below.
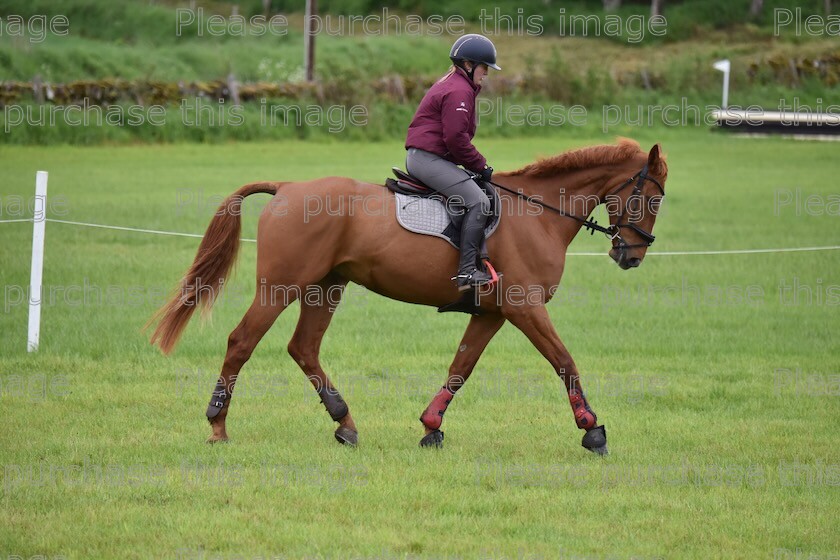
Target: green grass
(699, 427)
(270, 58)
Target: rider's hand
(486, 173)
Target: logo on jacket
(463, 107)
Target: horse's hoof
(600, 450)
(214, 439)
(595, 440)
(432, 439)
(346, 436)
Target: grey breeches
(446, 178)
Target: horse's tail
(205, 278)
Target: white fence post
(39, 223)
(724, 66)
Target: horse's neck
(582, 190)
(575, 193)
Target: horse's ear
(654, 155)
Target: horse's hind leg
(241, 343)
(316, 312)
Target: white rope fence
(40, 219)
(573, 254)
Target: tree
(656, 7)
(755, 8)
(309, 39)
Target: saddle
(421, 209)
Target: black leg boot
(472, 234)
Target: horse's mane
(580, 159)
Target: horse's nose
(633, 262)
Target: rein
(612, 231)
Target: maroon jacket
(444, 123)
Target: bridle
(613, 231)
(646, 236)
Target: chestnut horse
(304, 250)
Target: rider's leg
(472, 233)
(456, 185)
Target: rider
(440, 138)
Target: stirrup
(472, 279)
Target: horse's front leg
(478, 334)
(535, 323)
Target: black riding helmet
(475, 48)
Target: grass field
(148, 42)
(717, 377)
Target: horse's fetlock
(585, 417)
(333, 402)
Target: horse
(307, 250)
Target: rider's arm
(457, 117)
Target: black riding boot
(472, 233)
